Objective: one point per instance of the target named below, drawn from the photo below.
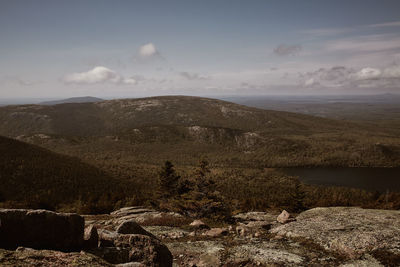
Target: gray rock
(199, 224)
(284, 217)
(198, 253)
(114, 255)
(347, 230)
(366, 261)
(107, 238)
(252, 228)
(30, 257)
(242, 230)
(163, 232)
(41, 229)
(142, 215)
(91, 237)
(130, 210)
(133, 248)
(149, 251)
(255, 216)
(264, 253)
(216, 232)
(131, 264)
(119, 248)
(259, 225)
(131, 227)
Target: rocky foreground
(136, 236)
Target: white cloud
(130, 81)
(148, 50)
(309, 82)
(368, 74)
(98, 74)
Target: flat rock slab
(349, 231)
(250, 252)
(163, 232)
(264, 253)
(197, 253)
(256, 216)
(140, 215)
(30, 257)
(130, 210)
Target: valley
(245, 148)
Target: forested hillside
(34, 177)
(182, 128)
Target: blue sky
(139, 48)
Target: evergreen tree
(203, 180)
(298, 197)
(169, 180)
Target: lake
(372, 179)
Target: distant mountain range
(183, 128)
(83, 99)
(125, 115)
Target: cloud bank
(341, 76)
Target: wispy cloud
(328, 31)
(18, 81)
(387, 24)
(285, 50)
(324, 32)
(366, 43)
(192, 76)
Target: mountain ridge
(165, 110)
(157, 126)
(81, 99)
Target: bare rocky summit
(338, 236)
(347, 230)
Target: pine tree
(203, 179)
(298, 197)
(169, 180)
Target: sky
(120, 48)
